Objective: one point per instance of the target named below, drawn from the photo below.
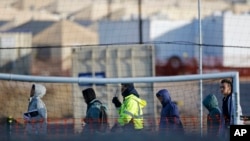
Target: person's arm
(174, 121)
(174, 114)
(41, 108)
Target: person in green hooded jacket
(130, 110)
(213, 117)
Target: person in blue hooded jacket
(170, 122)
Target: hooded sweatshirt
(170, 118)
(213, 117)
(37, 124)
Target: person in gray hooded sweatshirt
(36, 115)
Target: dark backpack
(103, 118)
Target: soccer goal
(66, 107)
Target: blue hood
(165, 96)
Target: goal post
(99, 82)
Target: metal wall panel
(116, 61)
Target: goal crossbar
(82, 80)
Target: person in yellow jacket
(130, 110)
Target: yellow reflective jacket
(131, 111)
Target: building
(15, 54)
(176, 42)
(54, 47)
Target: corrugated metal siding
(117, 61)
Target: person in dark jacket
(170, 122)
(228, 108)
(93, 123)
(213, 117)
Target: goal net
(66, 107)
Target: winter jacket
(131, 113)
(37, 124)
(170, 121)
(92, 119)
(213, 117)
(231, 108)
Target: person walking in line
(170, 122)
(130, 111)
(36, 115)
(228, 108)
(96, 120)
(214, 115)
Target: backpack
(103, 118)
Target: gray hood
(40, 90)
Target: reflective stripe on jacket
(131, 111)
